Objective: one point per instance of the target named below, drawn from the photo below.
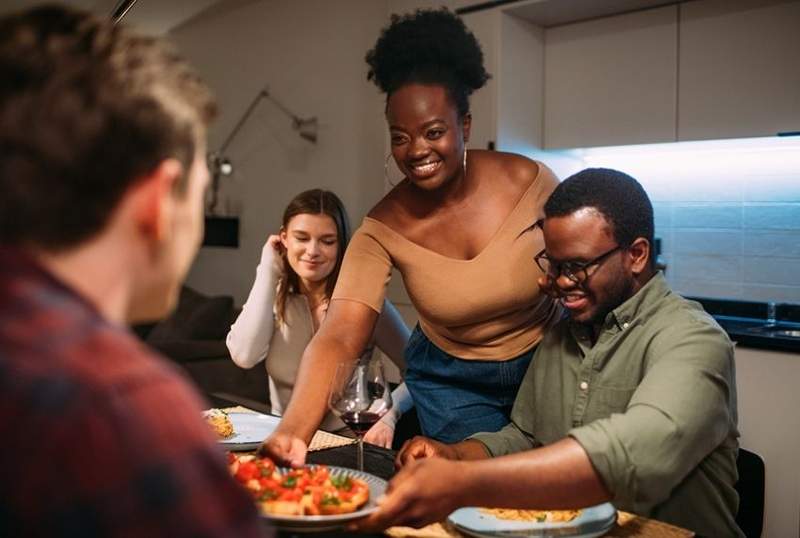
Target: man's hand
(422, 447)
(285, 449)
(423, 492)
(380, 434)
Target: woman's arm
(342, 337)
(250, 335)
(391, 334)
(382, 432)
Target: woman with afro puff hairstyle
(457, 228)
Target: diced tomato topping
(267, 466)
(247, 471)
(268, 483)
(290, 495)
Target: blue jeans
(456, 398)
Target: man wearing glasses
(630, 398)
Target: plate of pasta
(240, 430)
(583, 523)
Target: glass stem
(360, 453)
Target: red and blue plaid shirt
(100, 437)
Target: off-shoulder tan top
(489, 307)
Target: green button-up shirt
(652, 401)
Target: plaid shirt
(100, 437)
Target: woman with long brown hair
(289, 299)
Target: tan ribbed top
(489, 307)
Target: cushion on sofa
(196, 317)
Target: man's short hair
(86, 108)
(617, 196)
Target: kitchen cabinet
(507, 112)
(485, 25)
(768, 401)
(739, 74)
(700, 70)
(612, 81)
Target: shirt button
(584, 385)
(625, 325)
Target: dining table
(336, 450)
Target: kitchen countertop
(757, 325)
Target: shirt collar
(623, 316)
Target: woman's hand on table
(285, 449)
(423, 492)
(380, 434)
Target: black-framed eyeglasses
(576, 271)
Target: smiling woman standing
(457, 228)
(289, 300)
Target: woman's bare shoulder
(516, 169)
(389, 207)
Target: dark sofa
(194, 337)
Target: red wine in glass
(360, 396)
(360, 423)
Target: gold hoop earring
(386, 171)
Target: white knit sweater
(255, 336)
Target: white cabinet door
(520, 90)
(739, 68)
(612, 80)
(485, 25)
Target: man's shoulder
(676, 313)
(93, 354)
(682, 330)
(131, 434)
(66, 360)
(105, 372)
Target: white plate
(250, 429)
(593, 521)
(377, 487)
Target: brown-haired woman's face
(427, 134)
(312, 245)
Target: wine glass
(360, 396)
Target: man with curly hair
(630, 399)
(102, 174)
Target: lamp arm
(262, 94)
(121, 9)
(296, 119)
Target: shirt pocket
(605, 401)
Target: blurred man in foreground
(630, 399)
(102, 175)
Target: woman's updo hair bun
(428, 47)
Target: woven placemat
(628, 525)
(323, 440)
(632, 525)
(320, 441)
(437, 530)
